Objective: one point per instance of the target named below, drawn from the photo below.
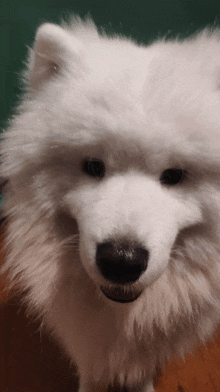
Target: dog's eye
(172, 176)
(94, 168)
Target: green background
(141, 19)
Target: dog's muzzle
(121, 263)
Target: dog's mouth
(118, 294)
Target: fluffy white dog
(113, 198)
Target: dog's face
(118, 137)
(129, 219)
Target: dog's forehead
(166, 80)
(177, 87)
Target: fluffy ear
(54, 48)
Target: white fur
(141, 110)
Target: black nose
(121, 262)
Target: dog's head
(124, 142)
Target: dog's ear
(54, 49)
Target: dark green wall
(141, 19)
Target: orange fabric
(198, 373)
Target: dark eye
(172, 176)
(94, 168)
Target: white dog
(113, 198)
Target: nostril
(121, 262)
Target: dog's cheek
(176, 216)
(189, 214)
(87, 251)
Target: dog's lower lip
(119, 295)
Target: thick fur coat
(113, 198)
